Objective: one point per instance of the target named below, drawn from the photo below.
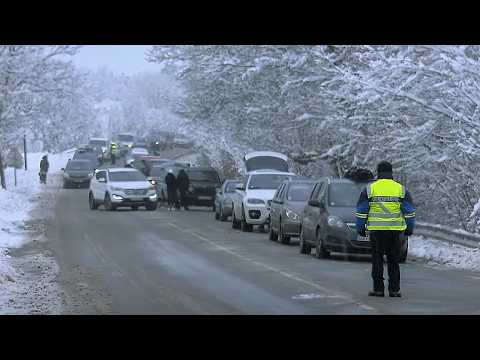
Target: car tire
(304, 247)
(244, 226)
(107, 203)
(272, 236)
(151, 206)
(91, 201)
(282, 238)
(320, 252)
(235, 222)
(135, 208)
(222, 216)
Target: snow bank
(16, 203)
(444, 253)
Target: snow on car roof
(99, 139)
(267, 171)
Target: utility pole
(25, 150)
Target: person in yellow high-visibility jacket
(385, 208)
(113, 152)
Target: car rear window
(126, 138)
(98, 143)
(344, 195)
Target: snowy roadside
(437, 252)
(19, 292)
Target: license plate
(204, 198)
(363, 238)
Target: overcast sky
(127, 59)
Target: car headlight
(292, 215)
(255, 201)
(117, 197)
(334, 221)
(129, 145)
(66, 176)
(90, 175)
(117, 189)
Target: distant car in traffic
(204, 183)
(140, 142)
(287, 208)
(146, 163)
(224, 201)
(252, 207)
(135, 153)
(103, 144)
(328, 220)
(182, 141)
(88, 153)
(125, 142)
(121, 187)
(77, 173)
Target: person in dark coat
(171, 190)
(44, 165)
(183, 183)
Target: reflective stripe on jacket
(385, 197)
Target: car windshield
(266, 162)
(266, 181)
(299, 192)
(79, 165)
(203, 175)
(231, 186)
(158, 171)
(344, 195)
(98, 143)
(126, 176)
(126, 137)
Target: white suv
(252, 206)
(121, 187)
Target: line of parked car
(321, 213)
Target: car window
(231, 186)
(276, 197)
(299, 192)
(314, 193)
(203, 175)
(101, 174)
(321, 191)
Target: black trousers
(385, 243)
(183, 199)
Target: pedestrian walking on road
(183, 183)
(44, 165)
(171, 190)
(385, 208)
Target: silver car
(224, 201)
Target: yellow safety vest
(385, 196)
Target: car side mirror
(240, 187)
(314, 203)
(63, 169)
(102, 180)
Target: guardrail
(444, 233)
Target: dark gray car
(77, 173)
(328, 220)
(223, 199)
(286, 209)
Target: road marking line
(271, 268)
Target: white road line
(271, 268)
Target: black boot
(376, 293)
(395, 294)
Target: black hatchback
(328, 220)
(204, 183)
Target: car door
(308, 215)
(321, 213)
(99, 187)
(275, 207)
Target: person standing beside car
(171, 190)
(385, 208)
(183, 183)
(44, 166)
(113, 152)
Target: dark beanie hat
(384, 167)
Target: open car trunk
(266, 160)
